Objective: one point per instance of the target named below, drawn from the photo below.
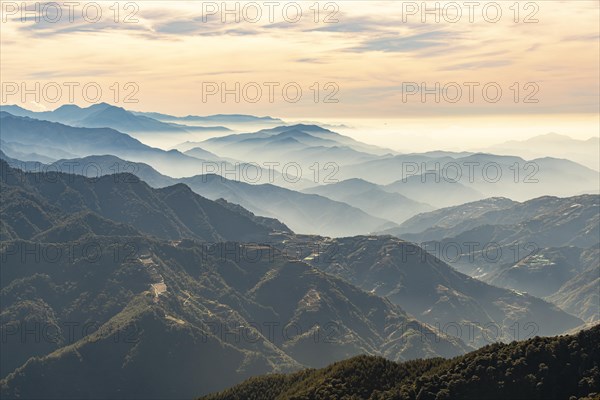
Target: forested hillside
(562, 367)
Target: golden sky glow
(370, 54)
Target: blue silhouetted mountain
(302, 212)
(300, 143)
(103, 115)
(371, 198)
(40, 135)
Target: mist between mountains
(93, 92)
(457, 172)
(270, 92)
(410, 92)
(134, 251)
(126, 172)
(328, 332)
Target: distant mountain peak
(552, 135)
(13, 107)
(104, 105)
(68, 107)
(354, 181)
(308, 127)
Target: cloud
(310, 60)
(476, 65)
(591, 37)
(412, 43)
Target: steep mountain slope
(122, 306)
(579, 295)
(522, 248)
(201, 154)
(547, 246)
(33, 152)
(173, 212)
(214, 312)
(93, 141)
(566, 276)
(564, 367)
(434, 292)
(371, 198)
(451, 217)
(433, 190)
(303, 213)
(120, 119)
(547, 221)
(111, 309)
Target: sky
(517, 67)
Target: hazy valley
(271, 251)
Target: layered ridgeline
(302, 212)
(104, 115)
(100, 151)
(32, 139)
(553, 145)
(317, 155)
(105, 296)
(372, 198)
(433, 291)
(36, 204)
(563, 367)
(548, 247)
(420, 282)
(436, 178)
(445, 179)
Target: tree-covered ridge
(561, 367)
(93, 323)
(33, 203)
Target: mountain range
(554, 145)
(543, 246)
(564, 367)
(152, 292)
(372, 198)
(46, 137)
(312, 154)
(33, 202)
(452, 180)
(103, 115)
(304, 213)
(433, 291)
(225, 119)
(133, 271)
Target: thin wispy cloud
(401, 44)
(173, 48)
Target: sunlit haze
(370, 51)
